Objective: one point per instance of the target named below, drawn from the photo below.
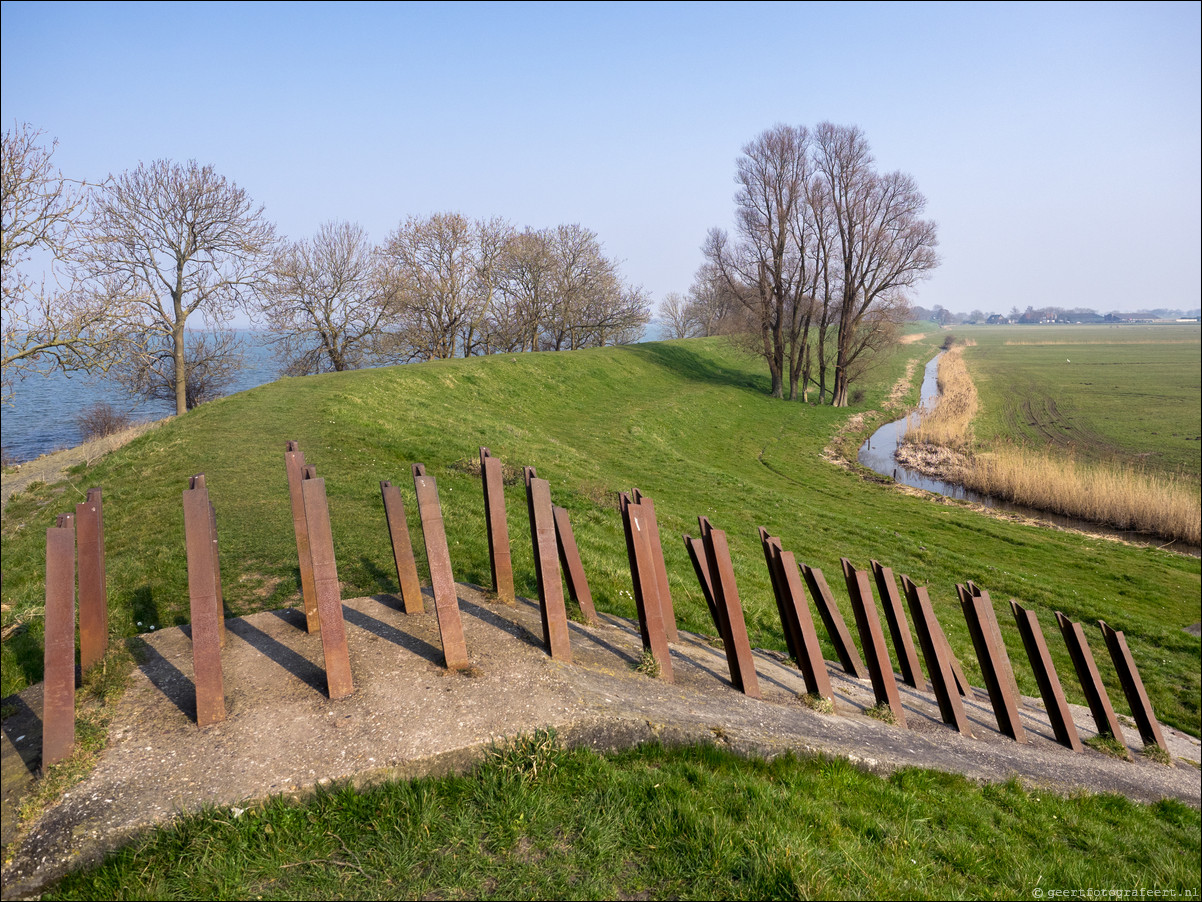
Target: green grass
(689, 423)
(1102, 393)
(654, 823)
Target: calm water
(41, 417)
(877, 454)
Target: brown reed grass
(1115, 494)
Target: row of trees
(135, 262)
(818, 270)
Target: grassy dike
(689, 423)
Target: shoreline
(53, 467)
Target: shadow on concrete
(171, 681)
(389, 633)
(296, 664)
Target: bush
(101, 419)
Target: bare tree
(177, 240)
(212, 361)
(527, 291)
(47, 323)
(432, 265)
(884, 246)
(327, 303)
(678, 316)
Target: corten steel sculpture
(661, 569)
(726, 599)
(1133, 687)
(550, 586)
(501, 563)
(939, 656)
(573, 570)
(986, 639)
(215, 557)
(325, 585)
(899, 627)
(1091, 682)
(646, 600)
(796, 617)
(294, 462)
(696, 550)
(833, 620)
(93, 591)
(402, 548)
(1006, 670)
(58, 715)
(446, 598)
(208, 622)
(868, 623)
(1045, 675)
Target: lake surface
(41, 417)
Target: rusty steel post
(550, 585)
(938, 655)
(58, 714)
(810, 660)
(573, 569)
(329, 594)
(1091, 682)
(899, 627)
(661, 569)
(726, 598)
(446, 597)
(1133, 687)
(205, 606)
(771, 547)
(1045, 675)
(833, 620)
(294, 463)
(1005, 670)
(636, 572)
(642, 569)
(402, 548)
(496, 526)
(93, 594)
(977, 611)
(868, 624)
(696, 551)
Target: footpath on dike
(410, 716)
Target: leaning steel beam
(294, 464)
(833, 619)
(726, 597)
(93, 593)
(1091, 682)
(899, 627)
(402, 548)
(325, 584)
(1054, 701)
(446, 598)
(938, 655)
(573, 569)
(868, 623)
(1133, 687)
(978, 613)
(204, 599)
(661, 569)
(550, 585)
(58, 712)
(497, 526)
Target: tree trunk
(181, 368)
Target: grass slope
(652, 823)
(689, 423)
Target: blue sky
(1059, 146)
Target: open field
(687, 422)
(538, 822)
(1102, 393)
(1106, 489)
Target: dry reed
(1114, 494)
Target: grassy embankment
(689, 424)
(1104, 430)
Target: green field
(1129, 393)
(689, 423)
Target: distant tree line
(1032, 315)
(138, 260)
(817, 273)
